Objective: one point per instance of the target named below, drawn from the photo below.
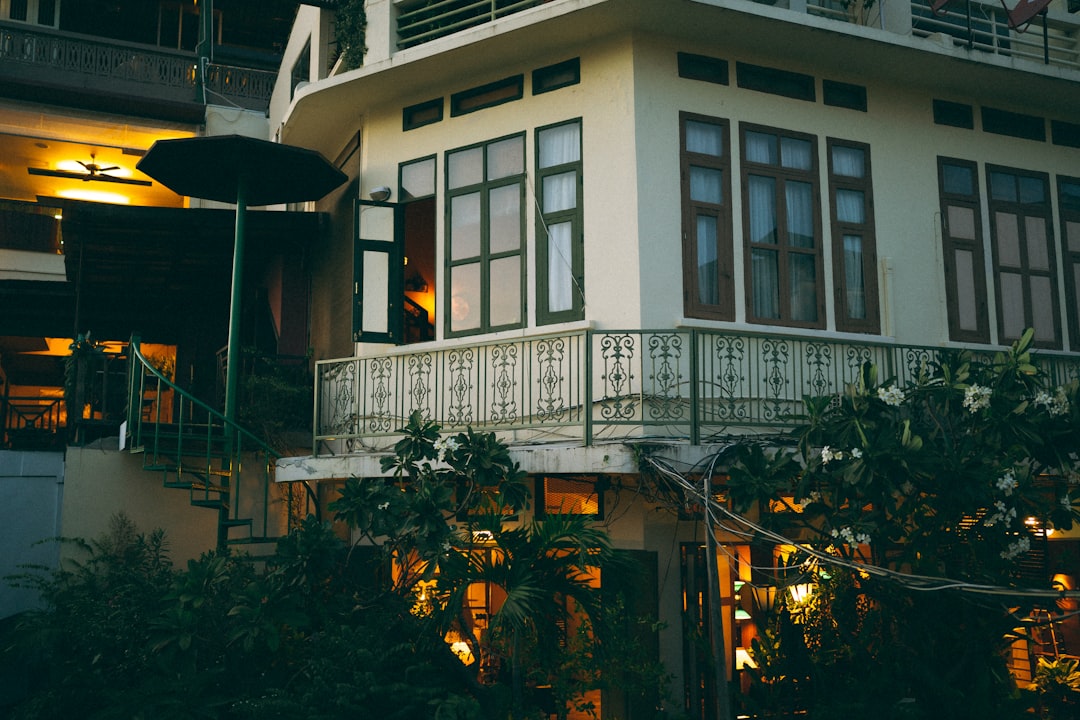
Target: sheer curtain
(559, 145)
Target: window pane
(766, 291)
(504, 218)
(570, 497)
(704, 138)
(796, 154)
(706, 185)
(708, 285)
(854, 283)
(1032, 190)
(1003, 186)
(560, 192)
(848, 161)
(505, 291)
(465, 226)
(799, 197)
(957, 180)
(850, 206)
(965, 290)
(1072, 232)
(559, 273)
(505, 158)
(1012, 305)
(418, 179)
(465, 167)
(1008, 239)
(1038, 250)
(762, 209)
(962, 222)
(1070, 195)
(803, 281)
(465, 297)
(1042, 309)
(559, 145)
(761, 148)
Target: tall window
(560, 253)
(708, 287)
(417, 192)
(854, 253)
(782, 225)
(965, 281)
(485, 189)
(1069, 204)
(1022, 244)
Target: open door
(378, 272)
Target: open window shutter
(378, 272)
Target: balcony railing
(421, 21)
(593, 386)
(990, 33)
(60, 58)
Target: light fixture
(800, 592)
(380, 194)
(741, 614)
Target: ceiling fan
(93, 172)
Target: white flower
(977, 397)
(1019, 547)
(1007, 483)
(862, 539)
(1003, 514)
(445, 445)
(850, 537)
(384, 505)
(856, 453)
(891, 395)
(827, 455)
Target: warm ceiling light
(95, 196)
(77, 167)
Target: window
(845, 95)
(965, 282)
(1022, 247)
(556, 76)
(708, 287)
(422, 114)
(562, 495)
(560, 253)
(781, 221)
(301, 69)
(954, 114)
(485, 190)
(775, 81)
(701, 67)
(417, 192)
(1069, 204)
(854, 253)
(485, 96)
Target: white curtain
(803, 281)
(708, 280)
(762, 209)
(560, 280)
(706, 185)
(850, 206)
(799, 200)
(761, 148)
(560, 192)
(854, 282)
(796, 154)
(704, 138)
(848, 161)
(559, 145)
(765, 276)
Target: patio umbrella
(244, 171)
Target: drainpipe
(205, 48)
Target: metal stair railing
(196, 448)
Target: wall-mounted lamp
(380, 194)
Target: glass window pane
(560, 278)
(1008, 239)
(418, 179)
(1003, 186)
(1070, 195)
(707, 277)
(465, 167)
(706, 185)
(504, 218)
(1038, 249)
(850, 206)
(961, 222)
(559, 145)
(465, 226)
(796, 154)
(506, 158)
(761, 148)
(1012, 305)
(1042, 309)
(803, 287)
(967, 316)
(762, 209)
(704, 138)
(465, 297)
(1072, 232)
(1032, 190)
(854, 283)
(957, 179)
(848, 161)
(505, 291)
(766, 290)
(799, 198)
(560, 192)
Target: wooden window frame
(1070, 259)
(950, 244)
(872, 322)
(576, 217)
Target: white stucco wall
(32, 485)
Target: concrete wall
(32, 485)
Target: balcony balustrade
(593, 386)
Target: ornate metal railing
(591, 386)
(990, 32)
(421, 21)
(145, 70)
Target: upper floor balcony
(47, 65)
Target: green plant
(1057, 685)
(350, 29)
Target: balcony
(595, 386)
(36, 63)
(420, 21)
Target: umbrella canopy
(213, 167)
